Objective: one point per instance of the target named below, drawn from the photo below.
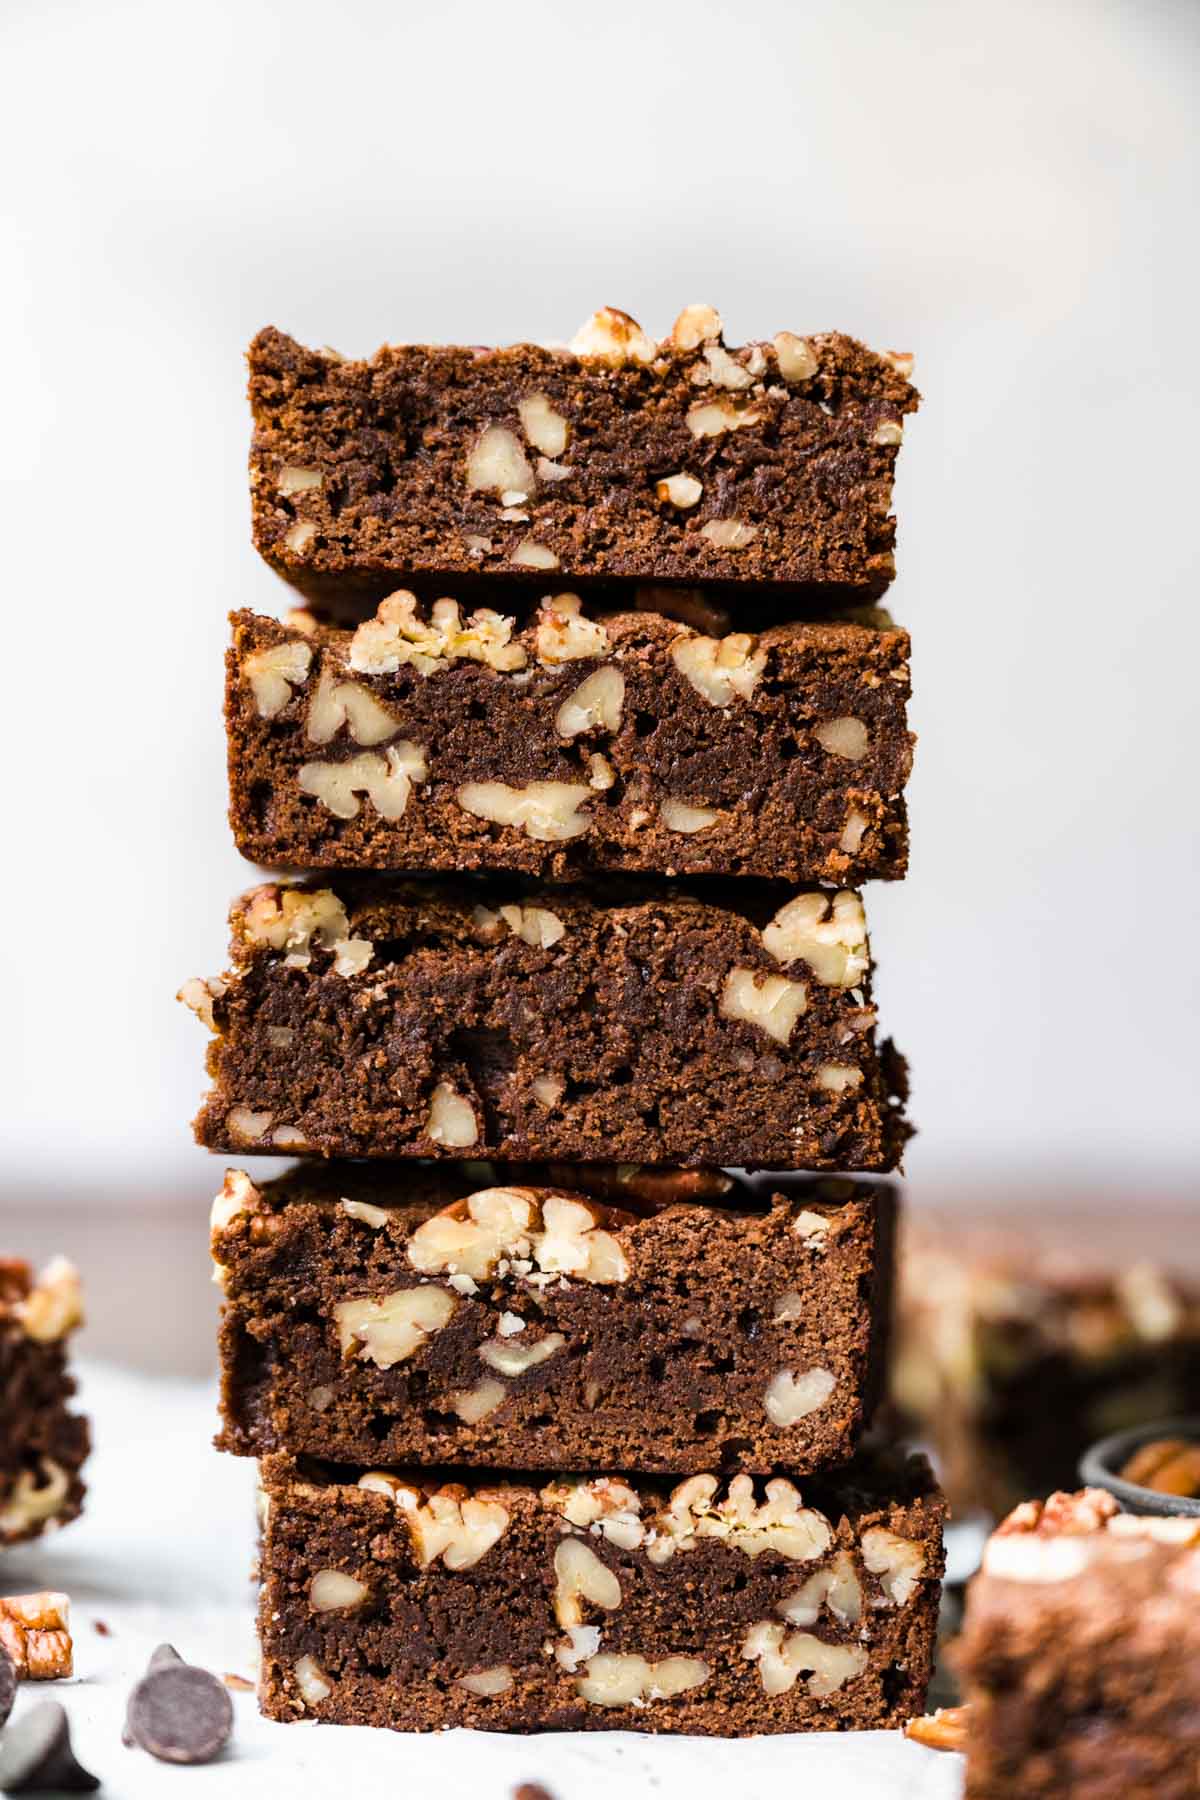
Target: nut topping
(534, 925)
(790, 1397)
(397, 636)
(452, 1524)
(778, 1522)
(829, 933)
(564, 635)
(54, 1307)
(293, 919)
(549, 812)
(768, 1001)
(274, 672)
(389, 1330)
(611, 336)
(596, 703)
(797, 359)
(695, 325)
(719, 668)
(557, 1234)
(385, 779)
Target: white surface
(1006, 188)
(163, 1553)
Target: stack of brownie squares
(587, 731)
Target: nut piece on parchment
(35, 1634)
(945, 1729)
(452, 1523)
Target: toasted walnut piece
(900, 360)
(612, 336)
(545, 428)
(389, 1330)
(605, 1502)
(330, 1590)
(836, 1585)
(631, 1680)
(548, 1090)
(529, 555)
(246, 1127)
(572, 1244)
(474, 1234)
(289, 1137)
(34, 1498)
(238, 1195)
(198, 996)
(720, 668)
(452, 1118)
(459, 1528)
(779, 1522)
(512, 1359)
(729, 534)
(553, 471)
(838, 1078)
(676, 815)
(725, 371)
(769, 1001)
(312, 1683)
(35, 1634)
(828, 932)
(945, 1729)
(488, 1682)
(549, 812)
(397, 636)
(564, 635)
(813, 1227)
(346, 703)
(292, 480)
(601, 774)
(272, 674)
(365, 1213)
(534, 925)
(695, 325)
(386, 780)
(579, 1576)
(845, 737)
(680, 490)
(899, 1562)
(711, 418)
(294, 920)
(473, 1404)
(498, 465)
(797, 359)
(54, 1306)
(791, 1397)
(300, 536)
(783, 1658)
(582, 1642)
(595, 703)
(788, 1307)
(888, 432)
(854, 832)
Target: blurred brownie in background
(42, 1444)
(1023, 1337)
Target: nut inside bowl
(1107, 1465)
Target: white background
(1007, 189)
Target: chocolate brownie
(1080, 1655)
(618, 457)
(426, 741)
(418, 1316)
(395, 1019)
(419, 1601)
(1023, 1337)
(43, 1444)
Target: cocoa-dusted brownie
(426, 740)
(1080, 1655)
(679, 461)
(397, 1019)
(43, 1444)
(414, 1315)
(1024, 1335)
(422, 1600)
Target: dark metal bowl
(1098, 1468)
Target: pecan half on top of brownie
(616, 457)
(410, 1315)
(715, 1606)
(43, 1445)
(399, 1019)
(427, 740)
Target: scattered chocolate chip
(101, 1628)
(238, 1683)
(36, 1756)
(165, 1657)
(179, 1713)
(8, 1686)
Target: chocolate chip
(179, 1713)
(36, 1756)
(165, 1657)
(8, 1686)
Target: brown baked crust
(359, 470)
(701, 1320)
(762, 793)
(43, 1445)
(395, 1019)
(396, 1655)
(1080, 1655)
